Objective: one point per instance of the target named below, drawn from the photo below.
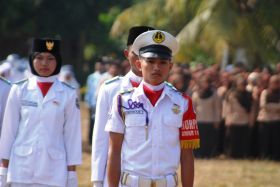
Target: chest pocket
(135, 129)
(28, 110)
(170, 131)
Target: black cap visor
(155, 51)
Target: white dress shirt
(151, 145)
(100, 140)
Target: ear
(126, 52)
(170, 66)
(138, 64)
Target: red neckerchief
(152, 95)
(134, 84)
(44, 87)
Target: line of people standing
(237, 110)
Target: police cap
(155, 44)
(136, 31)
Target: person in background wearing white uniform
(5, 70)
(153, 127)
(67, 76)
(40, 143)
(5, 86)
(103, 107)
(90, 96)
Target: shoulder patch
(68, 85)
(5, 80)
(112, 80)
(129, 90)
(21, 81)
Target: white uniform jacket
(41, 136)
(5, 87)
(100, 140)
(151, 145)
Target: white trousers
(137, 181)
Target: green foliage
(80, 24)
(109, 17)
(211, 26)
(89, 52)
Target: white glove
(3, 177)
(97, 184)
(72, 180)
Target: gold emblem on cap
(158, 37)
(49, 45)
(176, 109)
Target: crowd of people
(238, 110)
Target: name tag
(29, 103)
(134, 112)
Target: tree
(211, 28)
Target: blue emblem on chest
(134, 107)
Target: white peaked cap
(155, 44)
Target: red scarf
(152, 95)
(44, 87)
(134, 84)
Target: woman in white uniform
(40, 143)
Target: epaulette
(112, 80)
(171, 86)
(5, 80)
(68, 85)
(21, 81)
(129, 90)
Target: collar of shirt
(154, 88)
(126, 80)
(32, 84)
(167, 91)
(152, 95)
(46, 79)
(133, 77)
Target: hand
(72, 180)
(3, 177)
(97, 184)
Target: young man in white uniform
(103, 107)
(152, 127)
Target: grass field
(218, 172)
